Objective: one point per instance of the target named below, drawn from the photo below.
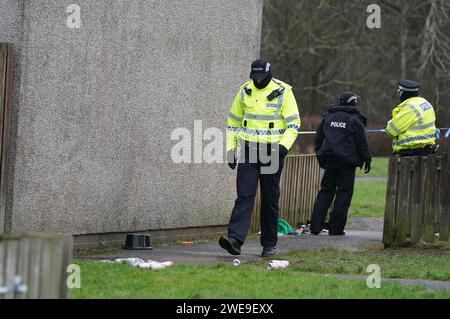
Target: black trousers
(248, 175)
(337, 183)
(425, 151)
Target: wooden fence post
(6, 72)
(430, 188)
(417, 200)
(391, 202)
(39, 261)
(417, 204)
(444, 204)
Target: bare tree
(324, 47)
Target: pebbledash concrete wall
(94, 109)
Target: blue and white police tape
(376, 131)
(439, 133)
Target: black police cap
(409, 86)
(260, 69)
(348, 98)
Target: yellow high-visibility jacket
(256, 119)
(412, 125)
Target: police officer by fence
(413, 123)
(264, 120)
(341, 146)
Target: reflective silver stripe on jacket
(243, 95)
(280, 103)
(394, 128)
(419, 116)
(422, 127)
(292, 118)
(263, 117)
(234, 117)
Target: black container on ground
(138, 242)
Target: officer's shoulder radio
(274, 94)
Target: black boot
(268, 252)
(231, 245)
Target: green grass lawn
(369, 199)
(430, 264)
(312, 274)
(308, 277)
(379, 168)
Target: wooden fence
(34, 266)
(300, 182)
(6, 70)
(417, 200)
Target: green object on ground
(284, 227)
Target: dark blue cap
(260, 69)
(408, 86)
(348, 98)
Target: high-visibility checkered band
(262, 132)
(414, 138)
(233, 129)
(294, 126)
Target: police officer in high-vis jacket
(264, 121)
(413, 123)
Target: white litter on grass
(140, 263)
(278, 264)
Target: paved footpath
(361, 232)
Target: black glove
(367, 167)
(231, 159)
(283, 151)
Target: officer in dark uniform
(341, 146)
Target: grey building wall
(96, 107)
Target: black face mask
(265, 82)
(345, 103)
(407, 95)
